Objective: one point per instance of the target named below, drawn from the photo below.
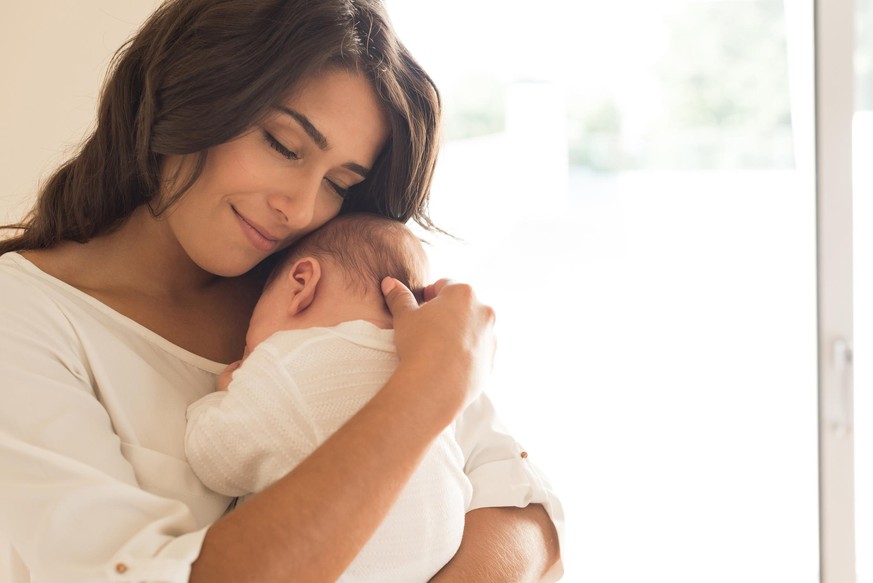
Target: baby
(318, 347)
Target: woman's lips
(255, 235)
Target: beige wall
(53, 56)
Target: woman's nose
(295, 204)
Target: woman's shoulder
(22, 281)
(13, 260)
(32, 303)
(17, 275)
(37, 305)
(38, 335)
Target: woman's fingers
(433, 290)
(398, 297)
(449, 337)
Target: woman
(228, 129)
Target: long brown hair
(198, 73)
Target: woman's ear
(303, 278)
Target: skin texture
(188, 276)
(503, 544)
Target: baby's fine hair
(368, 248)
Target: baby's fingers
(223, 380)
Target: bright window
(634, 197)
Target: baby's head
(334, 274)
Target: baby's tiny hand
(223, 379)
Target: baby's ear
(303, 277)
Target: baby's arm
(241, 440)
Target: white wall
(53, 57)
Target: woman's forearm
(502, 545)
(311, 524)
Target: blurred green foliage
(724, 99)
(724, 86)
(594, 132)
(475, 106)
(721, 98)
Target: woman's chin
(226, 266)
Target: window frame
(834, 109)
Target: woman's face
(263, 190)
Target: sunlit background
(633, 186)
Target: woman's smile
(259, 237)
(334, 126)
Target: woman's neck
(141, 256)
(140, 271)
(147, 255)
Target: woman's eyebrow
(307, 126)
(319, 138)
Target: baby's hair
(368, 248)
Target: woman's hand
(449, 337)
(444, 347)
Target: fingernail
(388, 284)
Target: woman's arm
(510, 488)
(73, 505)
(502, 545)
(312, 523)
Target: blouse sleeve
(70, 505)
(501, 471)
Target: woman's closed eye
(341, 192)
(289, 154)
(277, 145)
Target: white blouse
(94, 482)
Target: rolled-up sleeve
(71, 522)
(501, 470)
